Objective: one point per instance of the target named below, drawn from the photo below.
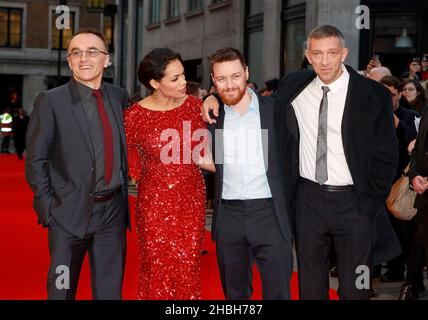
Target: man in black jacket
(251, 221)
(339, 155)
(339, 141)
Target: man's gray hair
(325, 31)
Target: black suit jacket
(60, 165)
(406, 132)
(369, 142)
(419, 159)
(274, 174)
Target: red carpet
(25, 258)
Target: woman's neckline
(168, 110)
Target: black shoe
(333, 272)
(390, 277)
(408, 292)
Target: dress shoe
(408, 292)
(390, 277)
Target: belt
(246, 203)
(326, 187)
(107, 196)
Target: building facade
(271, 33)
(30, 45)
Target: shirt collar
(336, 85)
(85, 91)
(254, 104)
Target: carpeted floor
(25, 258)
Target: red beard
(231, 101)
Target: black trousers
(420, 241)
(324, 220)
(248, 231)
(105, 242)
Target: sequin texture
(170, 209)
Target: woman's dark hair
(420, 102)
(153, 65)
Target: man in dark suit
(77, 168)
(339, 140)
(251, 222)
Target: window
(67, 33)
(155, 11)
(195, 5)
(255, 7)
(254, 39)
(10, 27)
(108, 30)
(294, 35)
(173, 8)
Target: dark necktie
(108, 136)
(321, 174)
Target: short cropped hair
(325, 31)
(225, 55)
(95, 32)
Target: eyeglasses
(91, 53)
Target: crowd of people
(409, 98)
(306, 162)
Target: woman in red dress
(163, 159)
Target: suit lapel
(266, 123)
(219, 141)
(79, 114)
(346, 122)
(357, 105)
(114, 101)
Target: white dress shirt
(306, 106)
(244, 171)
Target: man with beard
(251, 221)
(339, 154)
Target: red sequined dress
(170, 207)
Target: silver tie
(321, 174)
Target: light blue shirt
(244, 171)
